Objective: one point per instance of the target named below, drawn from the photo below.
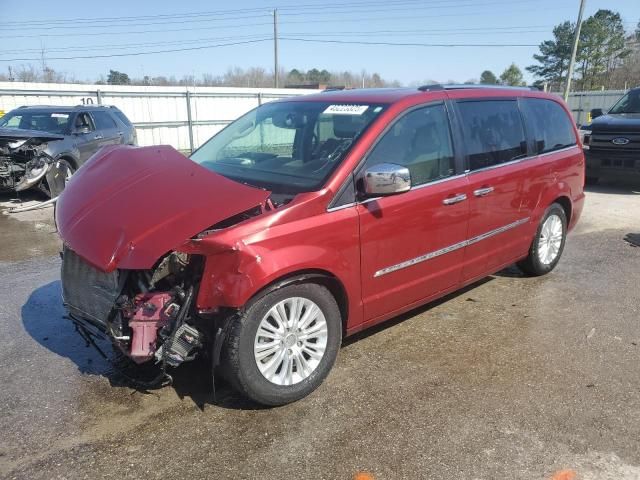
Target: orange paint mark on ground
(565, 475)
(363, 476)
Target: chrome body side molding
(450, 248)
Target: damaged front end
(146, 314)
(126, 208)
(24, 161)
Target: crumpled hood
(16, 134)
(623, 122)
(128, 206)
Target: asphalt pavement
(512, 378)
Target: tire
(57, 178)
(259, 346)
(548, 244)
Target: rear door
(106, 128)
(412, 244)
(495, 144)
(551, 134)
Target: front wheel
(284, 345)
(548, 244)
(58, 177)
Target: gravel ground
(512, 378)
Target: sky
(439, 40)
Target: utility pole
(275, 48)
(572, 62)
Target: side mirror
(386, 179)
(596, 112)
(81, 130)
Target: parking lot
(513, 377)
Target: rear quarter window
(493, 132)
(122, 117)
(103, 120)
(548, 124)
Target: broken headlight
(36, 168)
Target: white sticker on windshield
(60, 115)
(346, 109)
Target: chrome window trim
(460, 175)
(493, 167)
(342, 207)
(450, 248)
(438, 181)
(557, 151)
(519, 160)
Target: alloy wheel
(291, 341)
(550, 239)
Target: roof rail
(66, 107)
(333, 89)
(431, 88)
(427, 88)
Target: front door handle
(98, 137)
(481, 192)
(461, 197)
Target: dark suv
(42, 146)
(612, 141)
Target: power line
(124, 46)
(170, 22)
(134, 54)
(404, 34)
(111, 33)
(196, 18)
(411, 17)
(323, 6)
(449, 31)
(337, 20)
(419, 8)
(410, 44)
(128, 17)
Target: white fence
(183, 117)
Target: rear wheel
(548, 244)
(284, 345)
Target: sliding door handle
(481, 192)
(461, 197)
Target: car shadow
(618, 187)
(16, 198)
(43, 318)
(381, 327)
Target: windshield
(630, 103)
(286, 147)
(50, 122)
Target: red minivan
(311, 218)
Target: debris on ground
(633, 239)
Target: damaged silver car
(41, 147)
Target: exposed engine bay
(146, 314)
(24, 163)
